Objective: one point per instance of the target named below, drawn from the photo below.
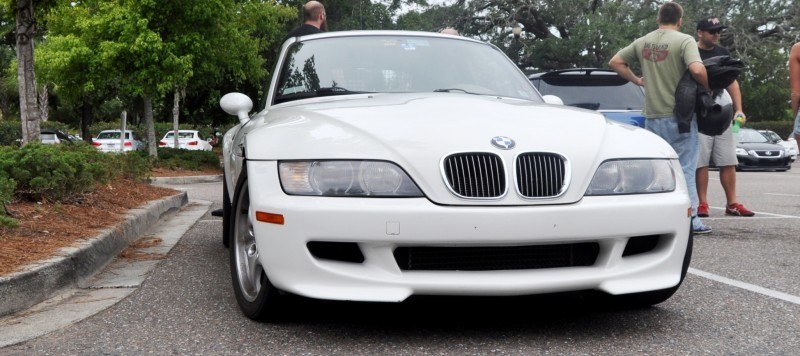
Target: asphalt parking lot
(742, 296)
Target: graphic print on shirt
(655, 52)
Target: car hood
(759, 146)
(417, 131)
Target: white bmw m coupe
(389, 164)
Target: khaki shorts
(720, 149)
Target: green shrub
(45, 171)
(7, 188)
(133, 165)
(8, 221)
(10, 132)
(192, 160)
(57, 172)
(782, 128)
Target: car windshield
(398, 64)
(771, 136)
(112, 135)
(48, 136)
(750, 136)
(594, 92)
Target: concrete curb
(45, 279)
(187, 179)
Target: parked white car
(187, 139)
(789, 145)
(54, 137)
(424, 164)
(109, 141)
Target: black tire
(258, 299)
(226, 215)
(646, 299)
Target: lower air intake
(494, 258)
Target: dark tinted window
(595, 92)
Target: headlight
(346, 179)
(637, 176)
(741, 152)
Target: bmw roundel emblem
(503, 143)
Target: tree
(260, 27)
(557, 34)
(29, 107)
(577, 33)
(8, 82)
(69, 60)
(25, 35)
(431, 18)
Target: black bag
(715, 114)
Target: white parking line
(747, 286)
(783, 195)
(759, 215)
(210, 220)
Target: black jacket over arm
(691, 98)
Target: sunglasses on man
(714, 32)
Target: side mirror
(237, 104)
(552, 99)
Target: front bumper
(380, 225)
(749, 162)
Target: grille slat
(494, 258)
(481, 175)
(540, 175)
(475, 175)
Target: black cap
(710, 23)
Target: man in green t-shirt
(664, 56)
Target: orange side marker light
(269, 217)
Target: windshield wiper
(326, 91)
(448, 90)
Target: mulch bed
(46, 227)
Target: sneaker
(737, 209)
(702, 210)
(699, 228)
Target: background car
(187, 139)
(109, 141)
(54, 137)
(429, 165)
(595, 89)
(790, 145)
(755, 152)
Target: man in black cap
(722, 148)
